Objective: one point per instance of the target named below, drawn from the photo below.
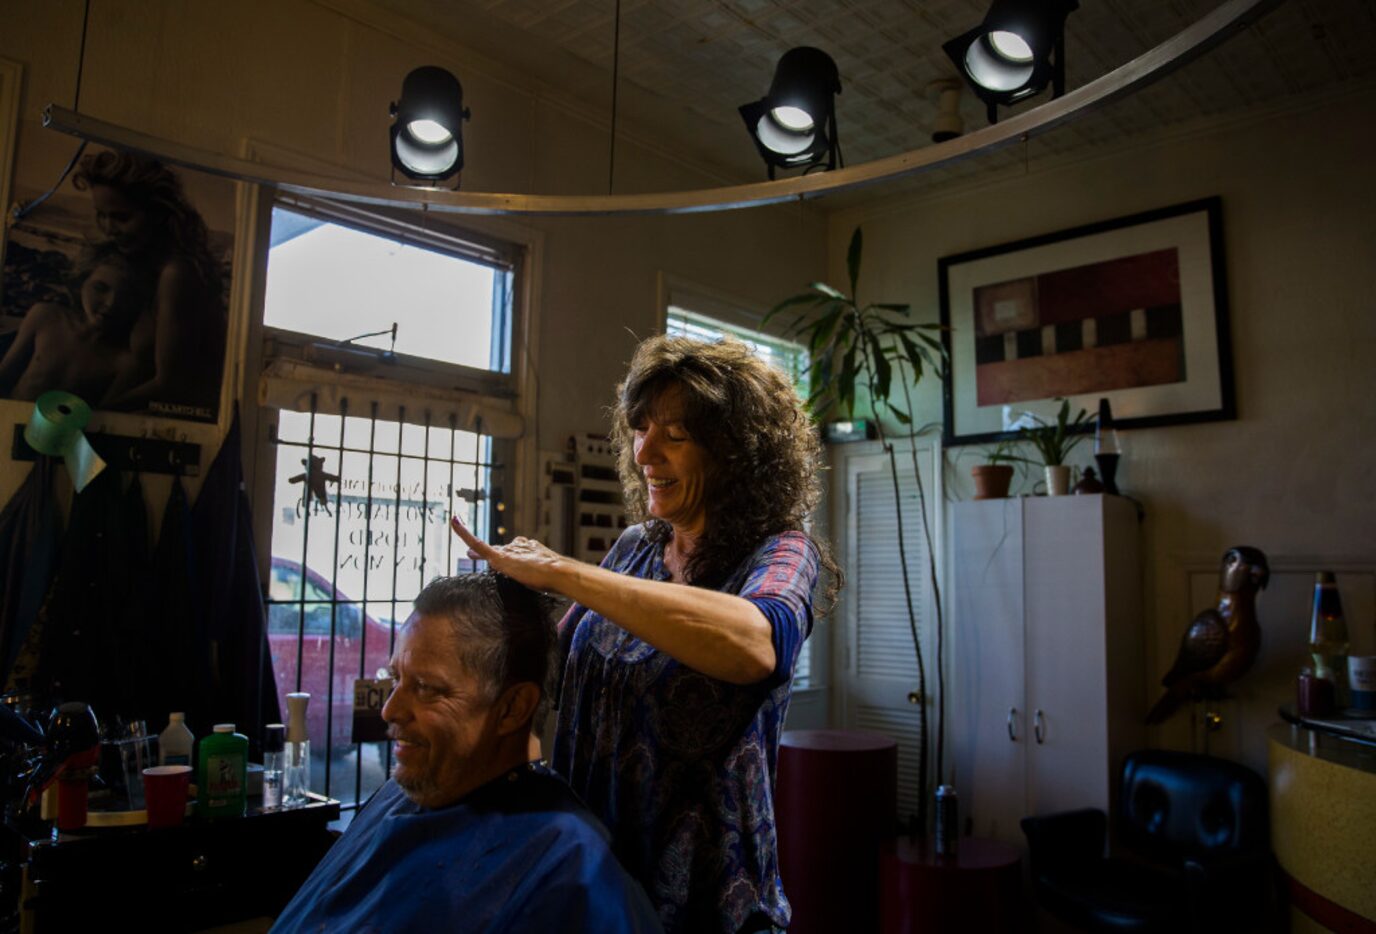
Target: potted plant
(1053, 441)
(872, 347)
(995, 475)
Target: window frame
(440, 236)
(502, 244)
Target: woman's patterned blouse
(681, 766)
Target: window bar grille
(305, 542)
(424, 497)
(367, 565)
(302, 597)
(334, 592)
(477, 477)
(449, 499)
(396, 531)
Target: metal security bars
(360, 524)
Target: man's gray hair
(504, 630)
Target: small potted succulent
(1053, 441)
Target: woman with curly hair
(683, 642)
(176, 347)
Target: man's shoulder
(542, 796)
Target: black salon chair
(1195, 851)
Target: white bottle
(175, 741)
(296, 780)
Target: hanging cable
(25, 208)
(616, 71)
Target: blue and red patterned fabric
(681, 766)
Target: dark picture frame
(1133, 309)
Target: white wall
(1291, 474)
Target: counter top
(1344, 742)
(1323, 820)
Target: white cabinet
(1047, 679)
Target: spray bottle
(296, 781)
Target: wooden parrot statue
(1222, 642)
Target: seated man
(468, 835)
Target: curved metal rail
(1189, 44)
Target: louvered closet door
(880, 667)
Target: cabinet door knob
(1039, 727)
(1012, 724)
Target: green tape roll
(55, 429)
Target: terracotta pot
(992, 480)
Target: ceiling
(686, 65)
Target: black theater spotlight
(427, 127)
(794, 125)
(1015, 52)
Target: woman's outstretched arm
(719, 634)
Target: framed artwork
(1133, 310)
(116, 286)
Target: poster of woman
(117, 290)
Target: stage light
(1015, 52)
(427, 127)
(794, 125)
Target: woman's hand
(523, 559)
(718, 634)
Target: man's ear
(516, 707)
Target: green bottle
(223, 772)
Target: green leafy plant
(875, 349)
(1054, 440)
(855, 346)
(1005, 452)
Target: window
(423, 303)
(372, 451)
(787, 356)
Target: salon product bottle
(175, 741)
(296, 778)
(274, 756)
(1313, 695)
(223, 772)
(946, 835)
(1328, 633)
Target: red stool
(979, 889)
(834, 805)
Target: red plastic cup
(72, 795)
(164, 793)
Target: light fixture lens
(1011, 46)
(991, 69)
(794, 119)
(428, 132)
(776, 139)
(426, 161)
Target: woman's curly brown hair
(763, 450)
